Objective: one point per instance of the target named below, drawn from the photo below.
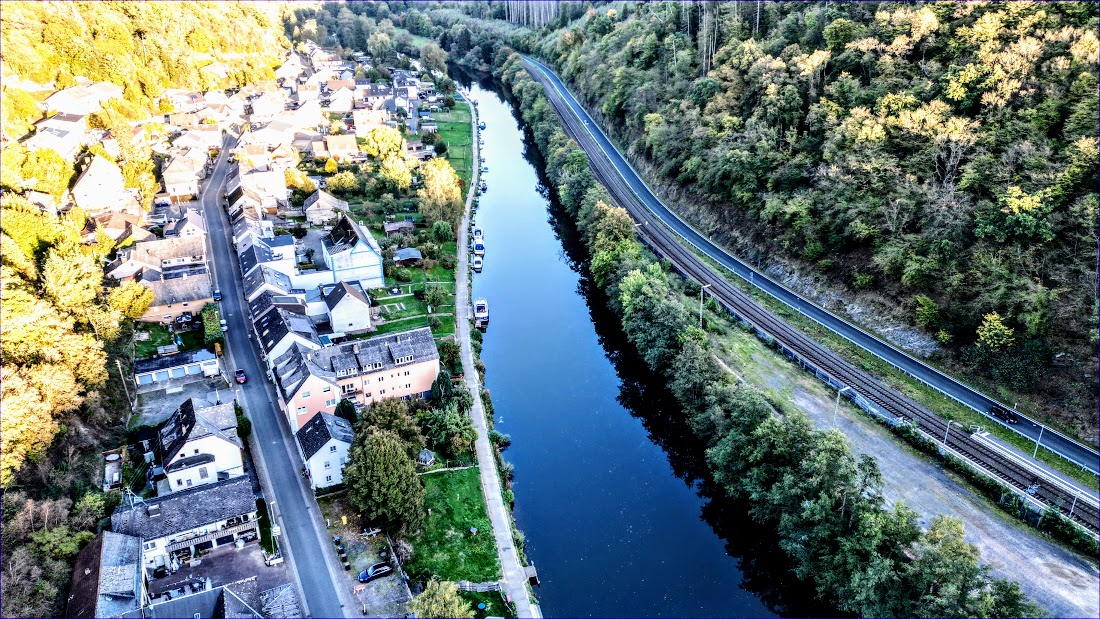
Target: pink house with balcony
(396, 365)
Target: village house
(83, 99)
(62, 133)
(268, 105)
(265, 279)
(321, 208)
(323, 442)
(348, 309)
(122, 227)
(108, 578)
(183, 172)
(352, 254)
(198, 446)
(190, 225)
(100, 189)
(174, 297)
(279, 329)
(341, 100)
(407, 256)
(401, 365)
(365, 120)
(159, 259)
(184, 100)
(398, 227)
(194, 519)
(341, 147)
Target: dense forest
(65, 338)
(933, 162)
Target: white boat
(478, 235)
(479, 248)
(481, 125)
(477, 264)
(481, 312)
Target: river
(609, 486)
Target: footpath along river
(608, 481)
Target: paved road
(1071, 449)
(514, 577)
(310, 552)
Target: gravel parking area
(1062, 581)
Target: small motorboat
(481, 125)
(479, 248)
(478, 235)
(481, 312)
(477, 264)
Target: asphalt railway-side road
(1034, 483)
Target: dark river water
(609, 488)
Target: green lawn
(445, 548)
(159, 336)
(493, 601)
(455, 130)
(417, 40)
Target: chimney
(153, 511)
(355, 348)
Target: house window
(381, 392)
(179, 482)
(328, 465)
(196, 452)
(150, 545)
(203, 474)
(305, 394)
(188, 483)
(381, 378)
(301, 410)
(406, 372)
(328, 477)
(328, 389)
(331, 402)
(332, 448)
(343, 460)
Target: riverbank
(515, 578)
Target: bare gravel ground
(1062, 581)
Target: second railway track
(1030, 482)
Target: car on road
(241, 377)
(1004, 414)
(378, 570)
(225, 326)
(217, 295)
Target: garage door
(161, 376)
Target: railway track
(1033, 484)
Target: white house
(279, 328)
(348, 309)
(61, 133)
(190, 225)
(322, 207)
(198, 446)
(324, 443)
(100, 188)
(350, 254)
(199, 518)
(83, 99)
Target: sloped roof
(383, 349)
(189, 423)
(187, 509)
(180, 289)
(142, 366)
(106, 577)
(408, 253)
(345, 234)
(341, 290)
(325, 200)
(321, 428)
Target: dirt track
(1062, 581)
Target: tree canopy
(441, 193)
(381, 480)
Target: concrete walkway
(515, 578)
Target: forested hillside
(65, 337)
(145, 47)
(942, 154)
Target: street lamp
(705, 286)
(949, 424)
(1038, 440)
(837, 405)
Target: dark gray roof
(266, 275)
(320, 429)
(408, 253)
(141, 366)
(188, 423)
(188, 462)
(274, 325)
(291, 371)
(106, 577)
(344, 235)
(341, 290)
(187, 509)
(385, 349)
(238, 599)
(326, 199)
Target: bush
(403, 275)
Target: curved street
(1076, 452)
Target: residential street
(304, 539)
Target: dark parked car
(217, 295)
(1004, 414)
(242, 378)
(378, 570)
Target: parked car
(225, 326)
(378, 570)
(217, 295)
(241, 377)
